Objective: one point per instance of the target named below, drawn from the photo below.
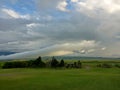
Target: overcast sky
(59, 27)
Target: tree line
(39, 63)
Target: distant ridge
(67, 58)
(82, 58)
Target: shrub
(16, 64)
(22, 64)
(99, 65)
(105, 65)
(117, 65)
(7, 65)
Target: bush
(7, 65)
(22, 64)
(104, 65)
(16, 64)
(99, 65)
(117, 65)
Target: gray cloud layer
(55, 29)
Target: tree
(75, 65)
(79, 64)
(61, 63)
(38, 62)
(54, 62)
(8, 65)
(15, 64)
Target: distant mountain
(81, 58)
(6, 53)
(61, 57)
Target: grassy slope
(68, 79)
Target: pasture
(60, 79)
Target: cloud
(58, 49)
(61, 27)
(62, 5)
(74, 0)
(109, 6)
(14, 14)
(11, 13)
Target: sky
(31, 28)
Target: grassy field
(60, 79)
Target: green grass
(60, 79)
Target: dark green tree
(75, 65)
(8, 65)
(61, 63)
(54, 62)
(79, 64)
(38, 62)
(15, 64)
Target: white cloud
(104, 48)
(31, 25)
(11, 13)
(74, 0)
(62, 5)
(14, 14)
(109, 6)
(83, 51)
